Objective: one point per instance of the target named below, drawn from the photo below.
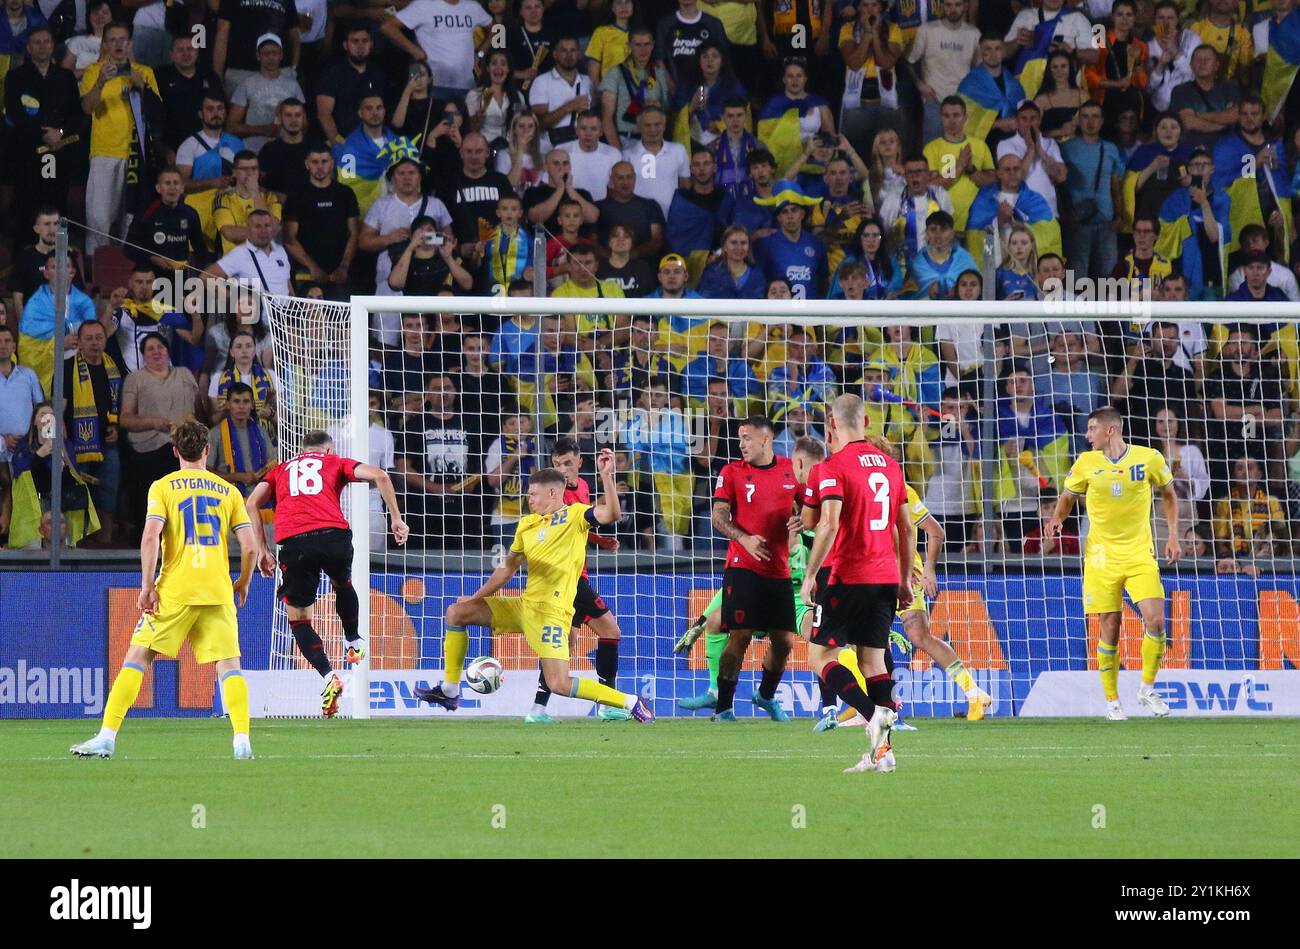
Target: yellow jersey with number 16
(555, 546)
(1118, 494)
(198, 510)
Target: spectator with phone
(444, 33)
(1194, 219)
(427, 265)
(111, 94)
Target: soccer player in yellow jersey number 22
(1118, 482)
(190, 514)
(552, 539)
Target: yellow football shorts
(1104, 587)
(547, 632)
(918, 602)
(212, 629)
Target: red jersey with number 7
(870, 486)
(306, 492)
(762, 501)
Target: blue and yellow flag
(1031, 208)
(1031, 62)
(778, 127)
(1281, 63)
(1179, 219)
(1238, 173)
(987, 100)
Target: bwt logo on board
(134, 903)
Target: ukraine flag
(1245, 180)
(1281, 63)
(987, 101)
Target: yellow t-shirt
(232, 209)
(198, 510)
(608, 47)
(1220, 37)
(555, 546)
(739, 21)
(1242, 520)
(112, 123)
(964, 191)
(916, 507)
(1119, 494)
(895, 38)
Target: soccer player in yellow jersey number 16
(552, 539)
(1117, 482)
(190, 514)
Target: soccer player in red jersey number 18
(865, 529)
(314, 538)
(753, 507)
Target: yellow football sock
(1108, 666)
(593, 691)
(454, 647)
(959, 674)
(1153, 650)
(234, 696)
(126, 687)
(848, 658)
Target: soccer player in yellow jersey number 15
(190, 514)
(552, 540)
(1118, 481)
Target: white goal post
(312, 337)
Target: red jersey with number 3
(579, 494)
(869, 484)
(306, 491)
(762, 501)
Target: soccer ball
(484, 675)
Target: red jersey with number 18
(870, 486)
(762, 500)
(306, 492)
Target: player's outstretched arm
(381, 480)
(248, 556)
(607, 509)
(1173, 548)
(261, 556)
(828, 526)
(150, 545)
(1064, 505)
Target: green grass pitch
(497, 788)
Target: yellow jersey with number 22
(555, 546)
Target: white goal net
(986, 405)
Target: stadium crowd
(671, 149)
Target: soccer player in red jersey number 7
(314, 538)
(865, 528)
(753, 507)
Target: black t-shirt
(249, 19)
(284, 166)
(425, 276)
(540, 194)
(408, 372)
(322, 215)
(98, 384)
(638, 214)
(1155, 385)
(482, 399)
(347, 87)
(438, 448)
(677, 45)
(182, 100)
(473, 203)
(172, 232)
(1263, 388)
(637, 278)
(29, 271)
(522, 46)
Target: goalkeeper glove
(901, 641)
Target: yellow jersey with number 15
(555, 546)
(198, 510)
(1118, 494)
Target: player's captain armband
(826, 483)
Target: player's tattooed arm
(728, 528)
(265, 561)
(828, 526)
